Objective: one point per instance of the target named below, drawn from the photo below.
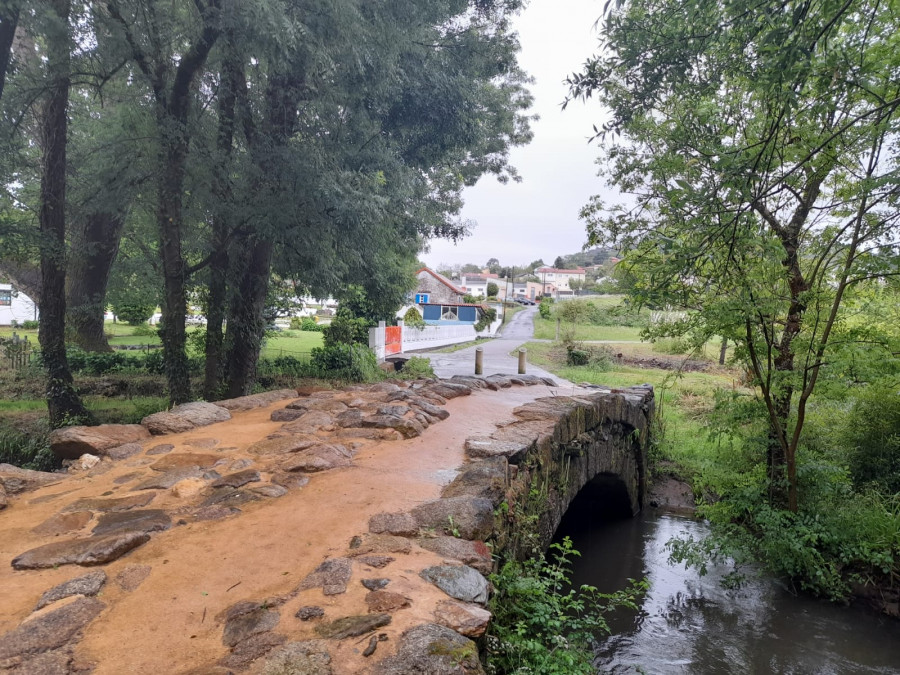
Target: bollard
(522, 353)
(479, 360)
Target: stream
(692, 624)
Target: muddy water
(691, 624)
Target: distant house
(476, 284)
(432, 288)
(560, 278)
(15, 306)
(531, 289)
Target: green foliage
(545, 308)
(597, 358)
(29, 450)
(492, 289)
(30, 324)
(471, 299)
(144, 330)
(353, 362)
(413, 318)
(134, 313)
(306, 323)
(871, 436)
(540, 624)
(486, 319)
(346, 330)
(418, 367)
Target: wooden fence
(15, 352)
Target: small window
(450, 313)
(5, 298)
(421, 298)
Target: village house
(15, 306)
(560, 278)
(440, 301)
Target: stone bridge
(311, 531)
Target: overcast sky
(538, 218)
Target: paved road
(497, 352)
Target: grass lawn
(296, 343)
(683, 403)
(546, 330)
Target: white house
(15, 306)
(560, 278)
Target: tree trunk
(9, 20)
(63, 403)
(722, 351)
(169, 221)
(782, 458)
(218, 267)
(246, 326)
(95, 245)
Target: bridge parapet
(558, 445)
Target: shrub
(134, 314)
(539, 626)
(489, 316)
(305, 323)
(871, 435)
(417, 367)
(545, 308)
(346, 361)
(576, 356)
(29, 325)
(144, 330)
(101, 363)
(29, 450)
(310, 325)
(492, 289)
(346, 330)
(413, 318)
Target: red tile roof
(579, 270)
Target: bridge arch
(592, 448)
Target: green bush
(309, 324)
(29, 450)
(346, 361)
(29, 325)
(487, 318)
(418, 367)
(345, 330)
(541, 625)
(871, 435)
(306, 323)
(597, 358)
(134, 314)
(413, 318)
(101, 363)
(545, 308)
(144, 330)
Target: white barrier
(432, 337)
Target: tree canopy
(757, 145)
(219, 144)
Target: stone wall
(437, 291)
(558, 445)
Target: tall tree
(65, 407)
(171, 68)
(759, 142)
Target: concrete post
(479, 360)
(522, 353)
(557, 330)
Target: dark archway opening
(602, 500)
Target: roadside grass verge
(683, 402)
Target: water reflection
(693, 624)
